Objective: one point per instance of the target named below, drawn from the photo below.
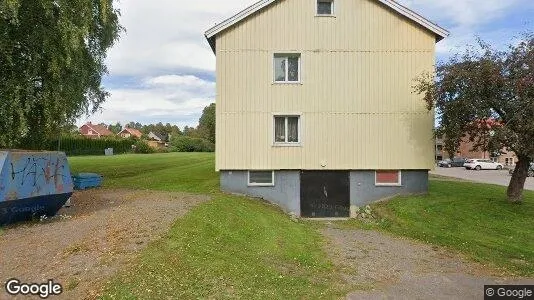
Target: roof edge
(211, 33)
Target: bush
(143, 148)
(189, 144)
(79, 145)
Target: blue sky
(162, 69)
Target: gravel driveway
(484, 176)
(386, 267)
(89, 242)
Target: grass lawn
(230, 247)
(238, 247)
(472, 218)
(187, 172)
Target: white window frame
(260, 184)
(287, 55)
(287, 144)
(332, 3)
(388, 184)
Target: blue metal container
(84, 181)
(32, 184)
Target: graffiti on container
(34, 170)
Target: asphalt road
(484, 176)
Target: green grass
(230, 247)
(185, 172)
(235, 247)
(471, 218)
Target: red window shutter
(387, 177)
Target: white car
(482, 164)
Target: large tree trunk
(517, 183)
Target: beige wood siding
(355, 96)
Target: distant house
(315, 103)
(130, 132)
(155, 137)
(507, 158)
(466, 149)
(156, 141)
(91, 130)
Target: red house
(96, 131)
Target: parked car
(530, 170)
(452, 163)
(482, 164)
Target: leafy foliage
(487, 96)
(206, 126)
(52, 55)
(190, 144)
(142, 147)
(115, 128)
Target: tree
(206, 123)
(134, 125)
(115, 128)
(52, 55)
(487, 96)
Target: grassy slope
(233, 246)
(229, 247)
(472, 218)
(187, 172)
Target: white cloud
(185, 81)
(168, 35)
(168, 98)
(164, 44)
(468, 19)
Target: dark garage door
(324, 194)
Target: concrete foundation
(363, 190)
(286, 189)
(285, 192)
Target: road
(484, 176)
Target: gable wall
(355, 97)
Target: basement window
(287, 68)
(287, 130)
(388, 178)
(325, 7)
(260, 178)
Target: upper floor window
(325, 7)
(287, 67)
(287, 130)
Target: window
(388, 178)
(286, 129)
(325, 7)
(261, 178)
(287, 67)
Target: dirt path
(385, 267)
(91, 240)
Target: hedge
(86, 146)
(190, 144)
